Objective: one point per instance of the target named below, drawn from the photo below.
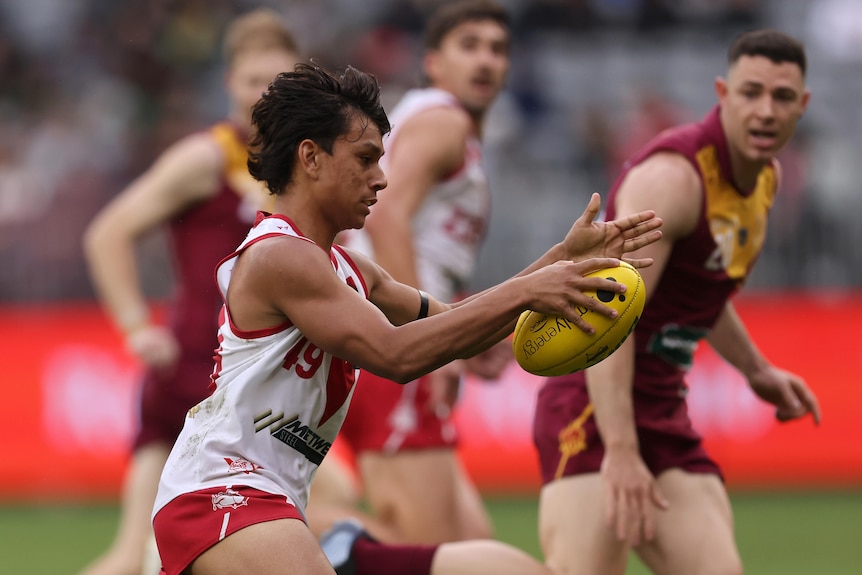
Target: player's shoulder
(199, 150)
(443, 120)
(666, 169)
(284, 255)
(363, 264)
(435, 137)
(190, 168)
(667, 183)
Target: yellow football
(552, 345)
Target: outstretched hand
(591, 239)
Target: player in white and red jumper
(301, 314)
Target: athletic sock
(373, 558)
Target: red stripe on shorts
(193, 522)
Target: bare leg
(695, 534)
(335, 495)
(283, 547)
(424, 496)
(351, 551)
(572, 529)
(482, 557)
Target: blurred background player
(426, 231)
(623, 467)
(201, 190)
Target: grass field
(778, 534)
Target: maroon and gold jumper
(704, 270)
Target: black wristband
(423, 304)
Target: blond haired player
(426, 231)
(200, 189)
(623, 467)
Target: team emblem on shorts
(573, 439)
(228, 498)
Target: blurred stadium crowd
(92, 90)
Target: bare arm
(286, 277)
(429, 146)
(185, 174)
(787, 391)
(669, 185)
(586, 239)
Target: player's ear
(431, 64)
(308, 156)
(720, 89)
(806, 96)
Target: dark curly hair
(308, 103)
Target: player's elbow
(399, 374)
(403, 378)
(92, 239)
(400, 368)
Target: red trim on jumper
(353, 266)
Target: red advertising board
(69, 397)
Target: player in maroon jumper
(622, 466)
(200, 189)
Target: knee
(733, 568)
(727, 566)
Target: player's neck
(744, 171)
(240, 118)
(295, 207)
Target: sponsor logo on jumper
(676, 344)
(295, 434)
(229, 498)
(243, 465)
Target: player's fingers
(584, 267)
(789, 413)
(610, 507)
(789, 404)
(598, 284)
(641, 227)
(592, 209)
(645, 239)
(783, 415)
(579, 322)
(639, 262)
(657, 497)
(584, 302)
(624, 517)
(809, 400)
(644, 522)
(649, 523)
(633, 220)
(655, 501)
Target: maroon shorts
(194, 522)
(167, 396)
(568, 442)
(388, 417)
